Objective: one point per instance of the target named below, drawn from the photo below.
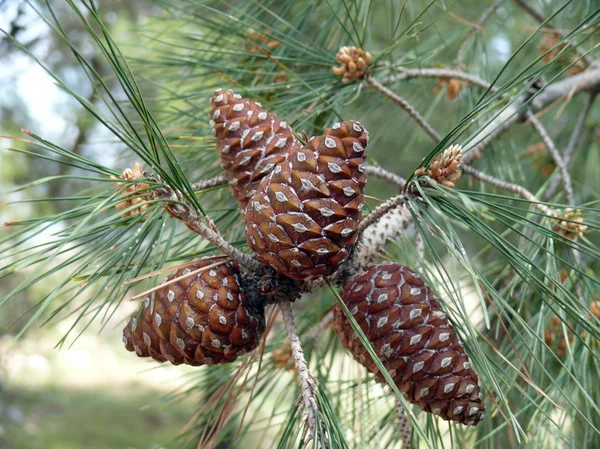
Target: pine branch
(178, 207)
(558, 160)
(307, 382)
(407, 74)
(515, 188)
(385, 175)
(379, 212)
(516, 111)
(400, 101)
(573, 141)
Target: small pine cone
(132, 194)
(571, 224)
(202, 319)
(250, 141)
(403, 320)
(303, 219)
(354, 63)
(445, 168)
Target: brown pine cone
(303, 219)
(250, 141)
(403, 320)
(202, 319)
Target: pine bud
(354, 63)
(445, 168)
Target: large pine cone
(403, 320)
(250, 141)
(302, 221)
(202, 319)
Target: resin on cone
(202, 319)
(303, 219)
(250, 141)
(409, 332)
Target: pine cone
(403, 320)
(250, 141)
(445, 168)
(303, 219)
(202, 319)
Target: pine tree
(476, 121)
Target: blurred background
(91, 393)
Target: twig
(558, 160)
(519, 190)
(380, 211)
(540, 18)
(403, 425)
(573, 141)
(407, 74)
(515, 112)
(178, 207)
(208, 183)
(486, 14)
(307, 382)
(406, 106)
(381, 173)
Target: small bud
(354, 64)
(445, 168)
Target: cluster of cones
(302, 203)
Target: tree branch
(519, 190)
(379, 212)
(381, 173)
(406, 106)
(515, 111)
(558, 160)
(407, 74)
(573, 141)
(307, 382)
(177, 206)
